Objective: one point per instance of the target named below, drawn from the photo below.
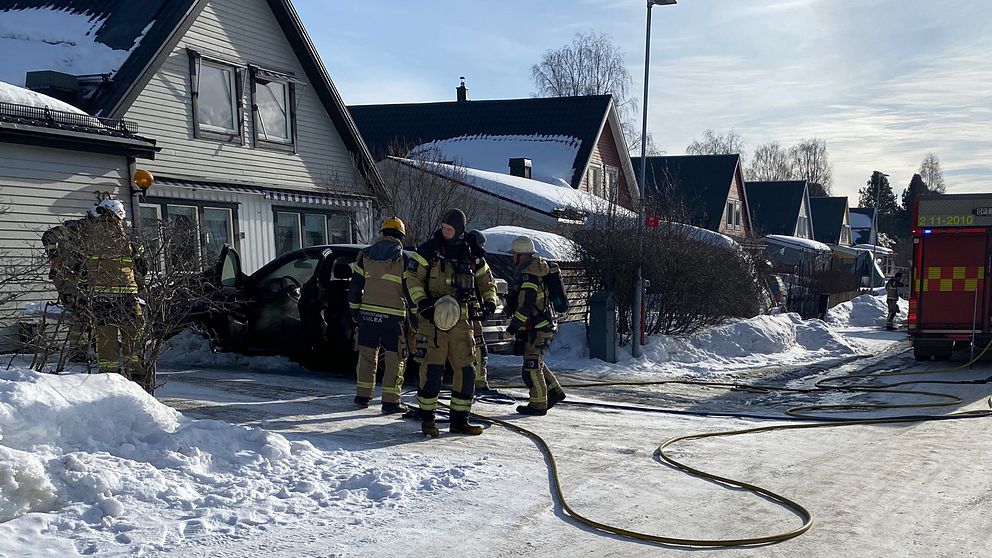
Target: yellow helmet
(393, 223)
(523, 245)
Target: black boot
(555, 396)
(460, 424)
(528, 410)
(393, 408)
(362, 402)
(413, 413)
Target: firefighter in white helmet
(377, 297)
(533, 326)
(445, 284)
(114, 271)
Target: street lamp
(878, 193)
(635, 316)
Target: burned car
(297, 306)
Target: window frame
(163, 204)
(290, 83)
(301, 213)
(196, 62)
(595, 186)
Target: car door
(224, 314)
(274, 325)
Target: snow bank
(192, 349)
(864, 311)
(94, 459)
(549, 245)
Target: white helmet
(523, 245)
(91, 210)
(447, 312)
(115, 207)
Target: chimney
(63, 87)
(462, 90)
(520, 166)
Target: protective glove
(354, 316)
(488, 310)
(425, 309)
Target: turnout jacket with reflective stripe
(528, 298)
(112, 264)
(377, 284)
(430, 272)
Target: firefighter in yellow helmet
(114, 270)
(533, 324)
(442, 272)
(377, 297)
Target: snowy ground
(270, 460)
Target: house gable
(242, 33)
(614, 163)
(778, 207)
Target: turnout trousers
(118, 328)
(456, 346)
(381, 331)
(536, 375)
(481, 357)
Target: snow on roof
(53, 39)
(552, 156)
(796, 242)
(20, 96)
(873, 248)
(690, 231)
(549, 245)
(860, 221)
(532, 193)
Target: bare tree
(717, 144)
(932, 174)
(421, 186)
(810, 163)
(770, 162)
(591, 64)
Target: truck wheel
(921, 354)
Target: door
(226, 317)
(274, 323)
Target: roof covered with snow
(701, 182)
(533, 194)
(796, 242)
(557, 134)
(25, 97)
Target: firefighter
(114, 271)
(892, 298)
(62, 247)
(477, 244)
(377, 299)
(533, 325)
(443, 269)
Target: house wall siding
(735, 194)
(606, 153)
(42, 187)
(242, 31)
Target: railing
(53, 118)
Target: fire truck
(949, 305)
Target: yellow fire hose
(801, 412)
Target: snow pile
(94, 459)
(52, 39)
(19, 96)
(192, 349)
(864, 311)
(549, 245)
(552, 156)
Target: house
(831, 220)
(257, 147)
(703, 190)
(54, 159)
(780, 208)
(573, 142)
(863, 225)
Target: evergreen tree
(878, 187)
(916, 188)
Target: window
(730, 214)
(150, 220)
(612, 180)
(273, 105)
(299, 228)
(845, 234)
(802, 229)
(194, 231)
(596, 180)
(738, 224)
(216, 92)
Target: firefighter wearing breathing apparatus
(477, 244)
(449, 289)
(532, 325)
(114, 270)
(377, 299)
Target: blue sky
(884, 82)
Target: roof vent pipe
(462, 90)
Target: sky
(884, 82)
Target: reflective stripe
(393, 278)
(542, 324)
(384, 310)
(417, 294)
(529, 285)
(427, 404)
(354, 305)
(520, 317)
(420, 259)
(115, 290)
(370, 385)
(458, 404)
(482, 270)
(121, 260)
(394, 391)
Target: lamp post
(635, 316)
(878, 194)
